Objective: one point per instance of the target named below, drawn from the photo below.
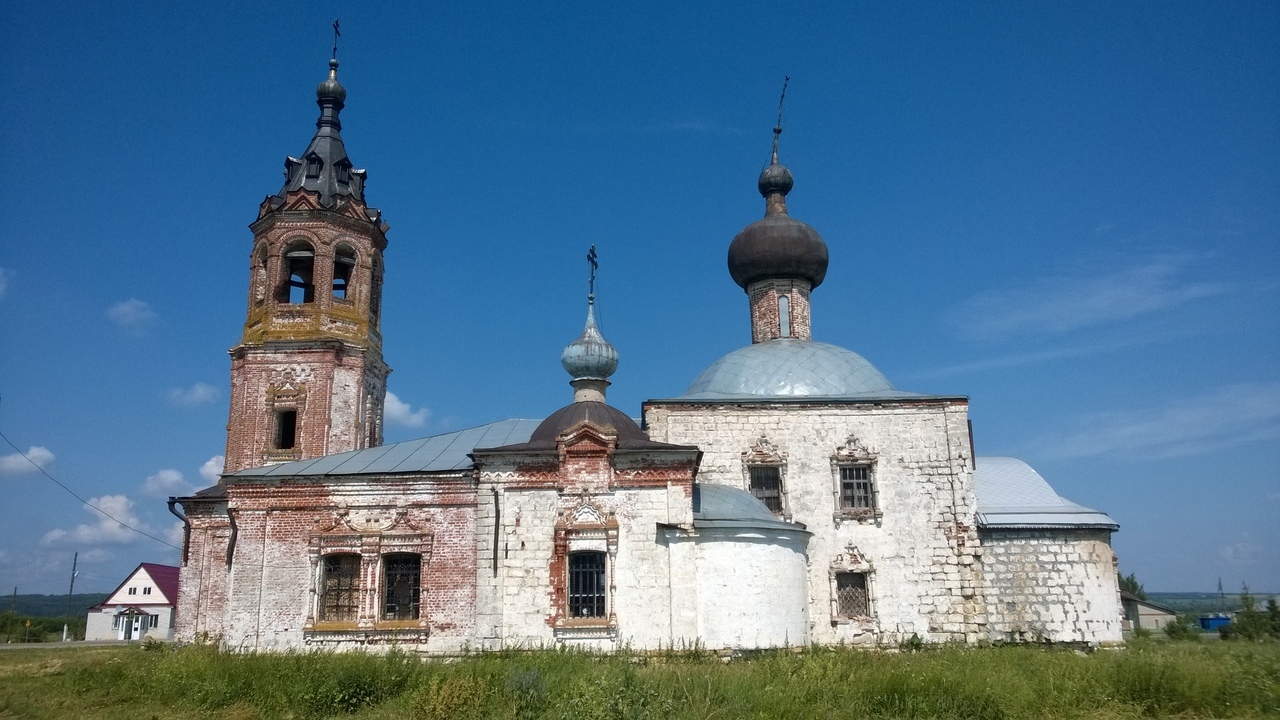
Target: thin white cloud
(104, 529)
(14, 464)
(133, 315)
(211, 470)
(198, 394)
(165, 483)
(174, 534)
(1062, 304)
(1232, 415)
(1242, 554)
(1274, 497)
(401, 413)
(6, 276)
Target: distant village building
(1141, 614)
(141, 607)
(792, 495)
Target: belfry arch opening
(344, 265)
(297, 287)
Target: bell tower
(307, 378)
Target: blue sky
(1069, 213)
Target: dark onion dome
(605, 417)
(777, 246)
(331, 89)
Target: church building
(791, 496)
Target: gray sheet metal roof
(788, 368)
(1013, 495)
(725, 506)
(438, 453)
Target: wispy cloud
(166, 482)
(1241, 554)
(1232, 415)
(211, 470)
(104, 529)
(198, 394)
(401, 413)
(6, 276)
(1070, 302)
(37, 459)
(133, 315)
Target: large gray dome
(790, 368)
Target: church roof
(605, 417)
(1013, 495)
(438, 453)
(725, 506)
(792, 369)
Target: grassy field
(1148, 679)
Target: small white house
(142, 606)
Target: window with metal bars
(401, 581)
(852, 600)
(857, 492)
(766, 484)
(587, 588)
(340, 588)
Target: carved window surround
(851, 560)
(585, 528)
(765, 454)
(369, 534)
(852, 454)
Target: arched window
(299, 265)
(340, 588)
(344, 265)
(784, 315)
(401, 586)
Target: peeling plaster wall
(1057, 585)
(920, 552)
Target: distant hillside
(1202, 603)
(51, 605)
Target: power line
(84, 502)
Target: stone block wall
(919, 548)
(1057, 585)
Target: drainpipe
(186, 527)
(231, 544)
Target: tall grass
(1145, 680)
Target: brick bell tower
(307, 378)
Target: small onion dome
(777, 246)
(331, 89)
(590, 357)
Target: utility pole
(13, 610)
(74, 559)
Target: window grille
(766, 484)
(587, 587)
(856, 489)
(401, 578)
(851, 595)
(340, 588)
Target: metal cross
(591, 260)
(777, 129)
(336, 35)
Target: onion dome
(590, 357)
(331, 89)
(777, 246)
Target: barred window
(851, 595)
(766, 485)
(340, 585)
(401, 580)
(587, 588)
(857, 492)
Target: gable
(148, 584)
